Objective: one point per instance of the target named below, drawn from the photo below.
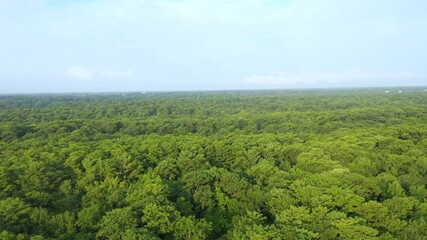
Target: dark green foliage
(319, 164)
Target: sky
(55, 46)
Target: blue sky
(164, 45)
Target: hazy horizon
(73, 46)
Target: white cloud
(314, 78)
(79, 73)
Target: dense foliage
(348, 164)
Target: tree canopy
(312, 164)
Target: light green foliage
(378, 216)
(167, 169)
(312, 164)
(252, 226)
(363, 166)
(353, 228)
(34, 183)
(401, 207)
(361, 185)
(149, 189)
(5, 235)
(389, 185)
(14, 214)
(115, 224)
(160, 218)
(139, 234)
(279, 200)
(109, 192)
(88, 217)
(262, 171)
(63, 224)
(189, 228)
(315, 161)
(5, 186)
(293, 223)
(416, 229)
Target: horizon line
(212, 90)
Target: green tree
(160, 219)
(252, 226)
(115, 223)
(190, 228)
(14, 215)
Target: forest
(265, 164)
